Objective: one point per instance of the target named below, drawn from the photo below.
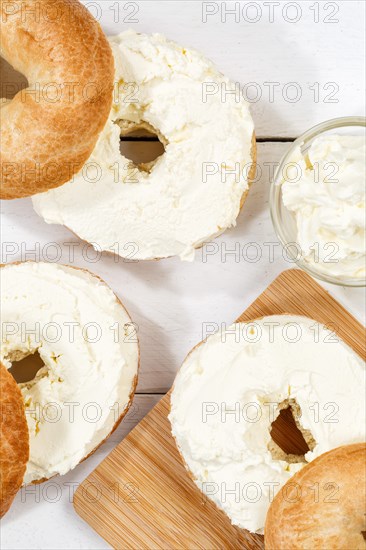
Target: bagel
(89, 350)
(188, 195)
(14, 439)
(49, 129)
(231, 388)
(323, 506)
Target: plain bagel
(323, 506)
(49, 130)
(14, 439)
(90, 355)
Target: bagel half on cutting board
(322, 507)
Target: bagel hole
(290, 442)
(141, 144)
(26, 369)
(11, 81)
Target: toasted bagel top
(49, 129)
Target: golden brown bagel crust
(322, 507)
(14, 439)
(49, 130)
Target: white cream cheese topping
(326, 193)
(226, 397)
(193, 191)
(83, 335)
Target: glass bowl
(284, 221)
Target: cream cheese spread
(83, 335)
(193, 191)
(325, 191)
(227, 395)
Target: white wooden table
(300, 63)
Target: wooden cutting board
(141, 496)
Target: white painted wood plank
(304, 61)
(294, 61)
(172, 301)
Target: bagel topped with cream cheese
(89, 350)
(232, 387)
(192, 192)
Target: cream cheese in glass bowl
(317, 201)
